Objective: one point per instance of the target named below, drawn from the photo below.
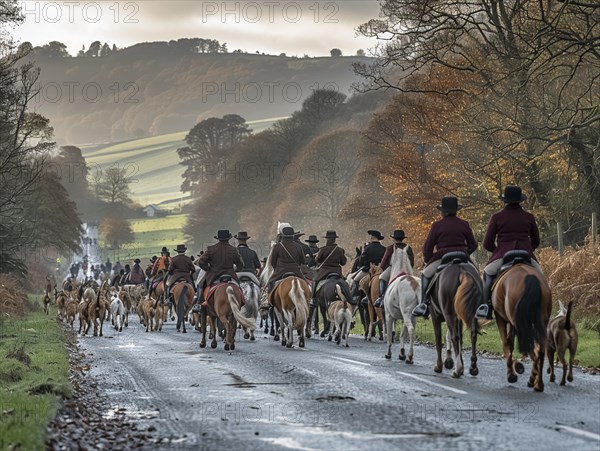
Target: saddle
(209, 291)
(449, 259)
(330, 276)
(512, 258)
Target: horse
(356, 292)
(370, 285)
(250, 310)
(327, 294)
(522, 303)
(290, 301)
(183, 293)
(268, 314)
(97, 309)
(226, 305)
(402, 296)
(50, 283)
(455, 296)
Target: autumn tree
(116, 231)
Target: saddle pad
(210, 291)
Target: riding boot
(198, 299)
(313, 302)
(423, 308)
(484, 311)
(168, 295)
(383, 284)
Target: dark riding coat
(218, 260)
(449, 234)
(181, 268)
(287, 256)
(331, 258)
(136, 275)
(249, 258)
(373, 253)
(512, 228)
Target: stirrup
(483, 312)
(379, 302)
(421, 310)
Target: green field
(152, 164)
(151, 234)
(34, 370)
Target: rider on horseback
(218, 260)
(330, 260)
(512, 228)
(314, 249)
(181, 268)
(373, 253)
(287, 257)
(160, 267)
(449, 234)
(250, 259)
(391, 262)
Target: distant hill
(148, 90)
(152, 164)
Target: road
(264, 396)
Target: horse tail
(250, 309)
(181, 305)
(247, 323)
(467, 298)
(300, 303)
(528, 321)
(568, 316)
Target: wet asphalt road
(264, 396)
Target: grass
(151, 164)
(30, 391)
(588, 349)
(151, 234)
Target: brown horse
(370, 285)
(454, 299)
(522, 302)
(227, 306)
(290, 301)
(183, 293)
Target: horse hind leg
(410, 327)
(448, 363)
(473, 370)
(457, 343)
(390, 327)
(437, 330)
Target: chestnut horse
(370, 285)
(290, 301)
(522, 303)
(183, 293)
(455, 297)
(227, 306)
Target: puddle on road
(335, 398)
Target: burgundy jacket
(449, 234)
(512, 228)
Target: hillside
(148, 91)
(152, 164)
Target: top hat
(330, 234)
(180, 248)
(449, 204)
(154, 258)
(287, 232)
(513, 195)
(223, 235)
(298, 234)
(137, 260)
(164, 250)
(312, 239)
(398, 235)
(242, 236)
(376, 234)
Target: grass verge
(34, 369)
(588, 349)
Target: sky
(273, 27)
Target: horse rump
(528, 322)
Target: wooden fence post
(594, 229)
(559, 233)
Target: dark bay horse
(455, 297)
(327, 294)
(183, 293)
(522, 303)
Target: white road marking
(435, 384)
(586, 434)
(286, 443)
(351, 361)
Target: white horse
(401, 297)
(340, 314)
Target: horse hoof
(455, 375)
(246, 336)
(213, 344)
(329, 338)
(184, 331)
(202, 345)
(529, 384)
(307, 333)
(402, 357)
(301, 343)
(266, 330)
(381, 338)
(512, 378)
(323, 334)
(337, 342)
(449, 364)
(437, 369)
(409, 361)
(563, 383)
(539, 389)
(519, 368)
(570, 378)
(273, 333)
(282, 342)
(388, 356)
(232, 347)
(474, 371)
(252, 338)
(288, 345)
(226, 347)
